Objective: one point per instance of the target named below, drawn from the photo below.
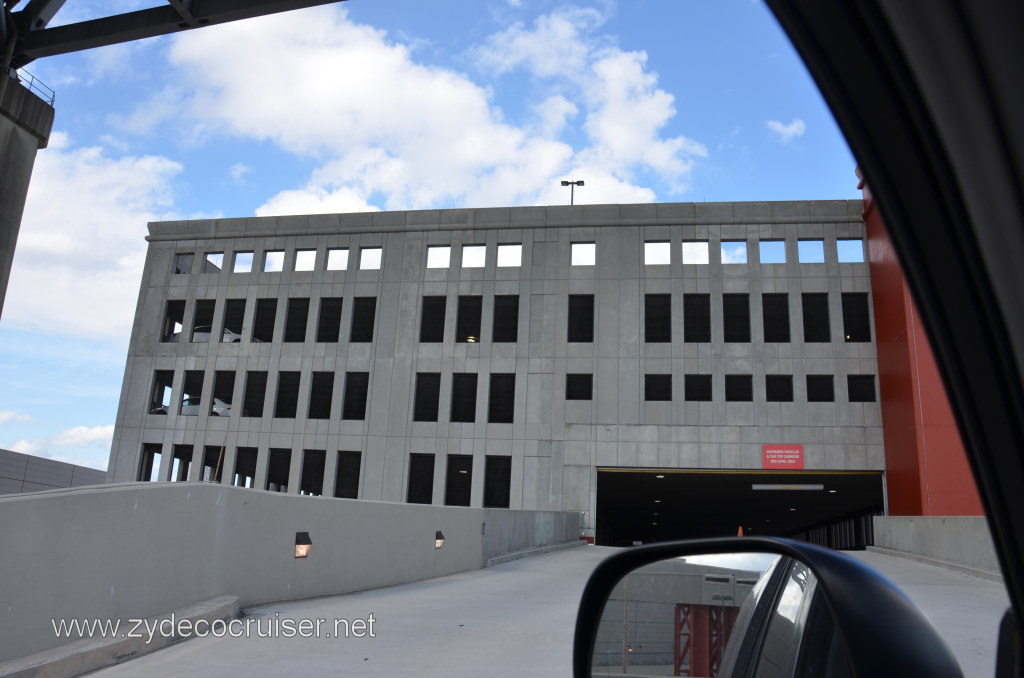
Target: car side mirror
(750, 606)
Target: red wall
(926, 467)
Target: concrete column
(330, 470)
(25, 123)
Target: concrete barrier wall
(510, 531)
(958, 540)
(140, 549)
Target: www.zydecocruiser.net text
(249, 627)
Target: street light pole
(572, 189)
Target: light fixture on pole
(302, 544)
(439, 539)
(572, 190)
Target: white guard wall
(953, 540)
(139, 550)
(555, 445)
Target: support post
(25, 123)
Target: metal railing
(35, 85)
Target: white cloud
(115, 62)
(238, 171)
(555, 46)
(114, 142)
(84, 435)
(786, 133)
(25, 446)
(626, 111)
(82, 242)
(165, 105)
(417, 135)
(13, 417)
(91, 445)
(553, 113)
(314, 199)
(394, 133)
(733, 253)
(629, 114)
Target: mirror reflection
(750, 614)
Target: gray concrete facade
(25, 123)
(27, 473)
(555, 445)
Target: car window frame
(924, 135)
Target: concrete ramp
(511, 620)
(133, 551)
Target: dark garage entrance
(828, 508)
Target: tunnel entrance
(831, 508)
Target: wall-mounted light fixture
(302, 544)
(438, 539)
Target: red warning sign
(789, 457)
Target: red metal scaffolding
(701, 632)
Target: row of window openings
(657, 387)
(809, 251)
(311, 477)
(505, 327)
(735, 318)
(328, 327)
(370, 259)
(738, 387)
(458, 476)
(427, 394)
(659, 253)
(500, 409)
(658, 318)
(848, 250)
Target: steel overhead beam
(146, 23)
(184, 8)
(38, 13)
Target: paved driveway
(514, 619)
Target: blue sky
(377, 104)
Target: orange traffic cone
(739, 533)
